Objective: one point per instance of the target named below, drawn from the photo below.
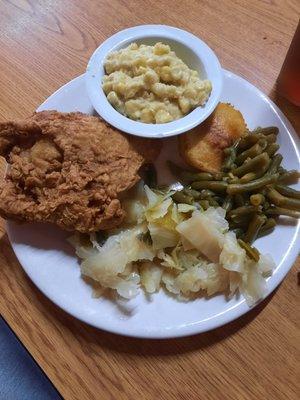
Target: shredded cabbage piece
(204, 233)
(185, 208)
(162, 237)
(232, 256)
(112, 258)
(151, 275)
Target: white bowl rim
(99, 101)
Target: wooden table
(44, 44)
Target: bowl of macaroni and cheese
(154, 81)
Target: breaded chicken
(69, 169)
(203, 146)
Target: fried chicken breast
(203, 146)
(69, 169)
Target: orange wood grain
(44, 44)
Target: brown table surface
(44, 44)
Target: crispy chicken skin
(69, 169)
(203, 146)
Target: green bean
(282, 201)
(218, 199)
(275, 163)
(241, 218)
(212, 202)
(254, 226)
(257, 199)
(271, 138)
(236, 143)
(242, 211)
(204, 204)
(261, 172)
(267, 131)
(253, 151)
(238, 225)
(256, 162)
(227, 204)
(268, 225)
(180, 197)
(251, 251)
(248, 141)
(239, 200)
(266, 205)
(227, 151)
(218, 176)
(226, 179)
(282, 211)
(289, 176)
(253, 185)
(256, 130)
(271, 149)
(263, 143)
(239, 232)
(230, 159)
(287, 191)
(235, 179)
(250, 176)
(193, 193)
(262, 191)
(162, 188)
(270, 130)
(189, 177)
(205, 193)
(216, 186)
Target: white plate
(50, 262)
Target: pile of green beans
(252, 186)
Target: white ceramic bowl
(193, 51)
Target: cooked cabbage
(232, 256)
(112, 258)
(205, 276)
(135, 211)
(204, 233)
(151, 274)
(161, 236)
(185, 208)
(177, 246)
(186, 244)
(158, 205)
(266, 264)
(128, 287)
(253, 284)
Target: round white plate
(51, 264)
